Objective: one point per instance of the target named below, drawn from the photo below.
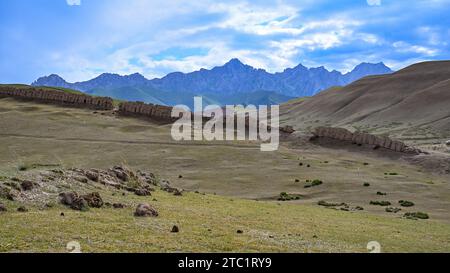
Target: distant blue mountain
(221, 84)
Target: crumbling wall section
(58, 97)
(153, 111)
(361, 138)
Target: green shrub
(405, 203)
(314, 183)
(380, 203)
(284, 196)
(416, 215)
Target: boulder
(145, 210)
(22, 209)
(94, 200)
(72, 200)
(92, 175)
(447, 143)
(118, 206)
(27, 185)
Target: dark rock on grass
(145, 210)
(380, 203)
(405, 203)
(92, 175)
(94, 200)
(3, 208)
(62, 214)
(416, 215)
(165, 186)
(381, 193)
(22, 209)
(142, 192)
(6, 193)
(297, 180)
(175, 229)
(239, 231)
(180, 176)
(300, 164)
(28, 185)
(13, 185)
(81, 179)
(308, 166)
(392, 209)
(359, 208)
(75, 202)
(366, 184)
(118, 206)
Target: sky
(80, 39)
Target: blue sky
(79, 39)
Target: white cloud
(404, 47)
(374, 2)
(73, 2)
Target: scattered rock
(6, 193)
(27, 185)
(175, 229)
(62, 214)
(145, 210)
(366, 184)
(94, 200)
(381, 193)
(180, 176)
(75, 202)
(239, 231)
(142, 192)
(92, 175)
(118, 206)
(22, 209)
(287, 129)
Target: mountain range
(233, 82)
(410, 103)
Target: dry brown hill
(413, 103)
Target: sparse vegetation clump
(416, 215)
(366, 184)
(314, 183)
(328, 204)
(405, 203)
(380, 203)
(284, 196)
(392, 209)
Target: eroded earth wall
(361, 138)
(58, 97)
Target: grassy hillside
(209, 223)
(384, 104)
(36, 136)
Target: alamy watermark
(232, 122)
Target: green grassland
(37, 136)
(209, 223)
